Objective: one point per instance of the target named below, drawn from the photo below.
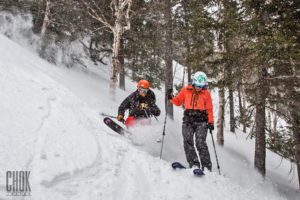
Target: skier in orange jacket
(198, 117)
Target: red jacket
(191, 99)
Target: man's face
(142, 91)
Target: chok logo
(17, 183)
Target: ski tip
(174, 165)
(107, 120)
(177, 165)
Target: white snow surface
(51, 125)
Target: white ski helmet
(199, 79)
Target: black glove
(210, 126)
(170, 94)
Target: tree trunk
(260, 138)
(240, 103)
(189, 70)
(244, 109)
(296, 136)
(122, 67)
(269, 121)
(187, 40)
(260, 120)
(115, 61)
(183, 78)
(221, 77)
(295, 115)
(231, 109)
(46, 18)
(168, 55)
(275, 119)
(220, 123)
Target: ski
(178, 165)
(114, 126)
(197, 172)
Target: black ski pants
(199, 129)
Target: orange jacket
(191, 99)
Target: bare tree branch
(125, 3)
(280, 113)
(96, 16)
(127, 16)
(284, 77)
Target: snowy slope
(50, 125)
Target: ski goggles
(143, 90)
(200, 86)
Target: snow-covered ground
(51, 126)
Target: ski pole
(150, 115)
(103, 114)
(163, 135)
(215, 151)
(146, 113)
(164, 130)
